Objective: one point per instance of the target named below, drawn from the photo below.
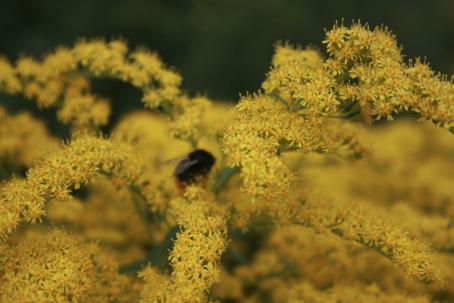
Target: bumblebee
(197, 164)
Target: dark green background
(222, 48)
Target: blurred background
(221, 47)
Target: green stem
(222, 177)
(156, 255)
(193, 142)
(166, 108)
(140, 203)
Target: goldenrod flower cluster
(370, 71)
(304, 204)
(203, 230)
(364, 73)
(74, 271)
(61, 79)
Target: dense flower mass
(310, 199)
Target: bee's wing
(183, 165)
(174, 160)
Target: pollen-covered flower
(56, 267)
(370, 71)
(263, 129)
(54, 177)
(299, 78)
(48, 81)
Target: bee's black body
(198, 163)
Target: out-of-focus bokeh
(221, 48)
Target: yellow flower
(56, 267)
(8, 78)
(53, 177)
(196, 252)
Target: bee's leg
(180, 185)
